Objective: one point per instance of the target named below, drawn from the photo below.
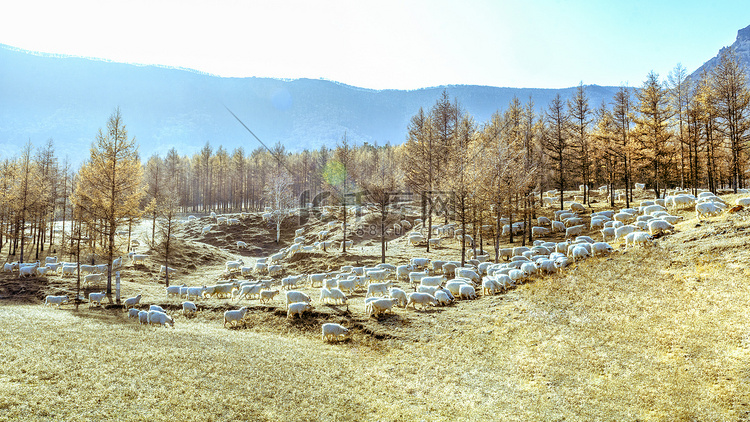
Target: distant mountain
(68, 99)
(741, 47)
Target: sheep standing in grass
(467, 292)
(96, 298)
(189, 308)
(133, 313)
(381, 288)
(143, 317)
(156, 317)
(267, 295)
(298, 308)
(132, 301)
(400, 296)
(294, 296)
(380, 306)
(55, 300)
(235, 317)
(423, 299)
(332, 331)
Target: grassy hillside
(658, 333)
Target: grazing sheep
(400, 296)
(659, 226)
(267, 295)
(133, 313)
(235, 317)
(247, 291)
(294, 296)
(316, 278)
(241, 244)
(96, 298)
(433, 281)
(290, 281)
(380, 306)
(298, 308)
(136, 259)
(348, 284)
(423, 299)
(601, 248)
(143, 317)
(467, 292)
(574, 230)
(161, 318)
(195, 292)
(132, 301)
(381, 288)
(156, 308)
(638, 238)
(332, 331)
(232, 266)
(189, 308)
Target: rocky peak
(743, 34)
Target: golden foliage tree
(110, 184)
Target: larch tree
(168, 206)
(420, 162)
(652, 126)
(623, 143)
(732, 97)
(679, 92)
(381, 186)
(556, 142)
(580, 118)
(110, 184)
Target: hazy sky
(389, 44)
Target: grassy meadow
(659, 333)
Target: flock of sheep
(434, 282)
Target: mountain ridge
(68, 99)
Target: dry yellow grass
(659, 333)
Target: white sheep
(659, 226)
(133, 313)
(241, 244)
(195, 292)
(421, 298)
(132, 301)
(232, 266)
(379, 306)
(332, 331)
(381, 288)
(433, 281)
(637, 238)
(274, 270)
(348, 284)
(316, 278)
(142, 317)
(156, 308)
(267, 295)
(161, 318)
(623, 231)
(290, 281)
(298, 308)
(419, 263)
(294, 296)
(399, 295)
(248, 291)
(467, 292)
(454, 286)
(260, 268)
(468, 273)
(96, 298)
(189, 308)
(574, 230)
(235, 317)
(707, 209)
(601, 248)
(299, 232)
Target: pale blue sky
(389, 44)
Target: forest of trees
(678, 132)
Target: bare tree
(280, 198)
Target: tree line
(684, 132)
